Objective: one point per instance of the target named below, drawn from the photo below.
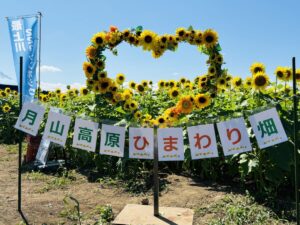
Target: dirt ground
(43, 204)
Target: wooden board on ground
(143, 214)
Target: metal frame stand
(155, 176)
(295, 111)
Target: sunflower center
(202, 100)
(161, 120)
(132, 105)
(121, 78)
(297, 76)
(175, 93)
(209, 39)
(104, 85)
(89, 69)
(238, 83)
(280, 74)
(257, 69)
(85, 91)
(99, 40)
(222, 81)
(141, 88)
(163, 39)
(148, 39)
(186, 104)
(131, 39)
(181, 33)
(260, 81)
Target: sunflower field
(211, 97)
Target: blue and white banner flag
(24, 41)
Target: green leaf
(92, 107)
(120, 110)
(190, 28)
(139, 29)
(218, 47)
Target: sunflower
(118, 97)
(171, 114)
(257, 67)
(15, 93)
(147, 39)
(210, 38)
(132, 84)
(126, 106)
(298, 75)
(88, 69)
(221, 82)
(180, 33)
(182, 80)
(133, 105)
(90, 52)
(113, 87)
(104, 85)
(260, 81)
(219, 59)
(99, 39)
(188, 86)
(63, 97)
(144, 83)
(140, 88)
(127, 94)
(248, 82)
(288, 74)
(237, 82)
(120, 78)
(6, 108)
(7, 90)
(101, 74)
(161, 84)
(2, 93)
(44, 98)
(161, 121)
(212, 70)
(100, 64)
(89, 83)
(137, 115)
(185, 105)
(197, 38)
(172, 83)
(84, 91)
(58, 91)
(280, 73)
(174, 92)
(202, 100)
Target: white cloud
(52, 86)
(51, 69)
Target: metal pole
(20, 140)
(296, 139)
(40, 41)
(155, 175)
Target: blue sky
(249, 31)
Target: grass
(239, 210)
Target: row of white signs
(233, 134)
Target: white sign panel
(30, 118)
(234, 136)
(170, 144)
(267, 128)
(141, 143)
(43, 151)
(112, 140)
(85, 135)
(57, 128)
(202, 141)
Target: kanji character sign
(112, 140)
(30, 118)
(234, 136)
(202, 140)
(85, 135)
(57, 128)
(141, 143)
(170, 144)
(267, 128)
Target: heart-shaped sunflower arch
(187, 96)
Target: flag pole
(155, 176)
(296, 139)
(40, 41)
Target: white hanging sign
(234, 136)
(141, 143)
(202, 141)
(57, 128)
(112, 140)
(85, 135)
(267, 128)
(170, 144)
(30, 118)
